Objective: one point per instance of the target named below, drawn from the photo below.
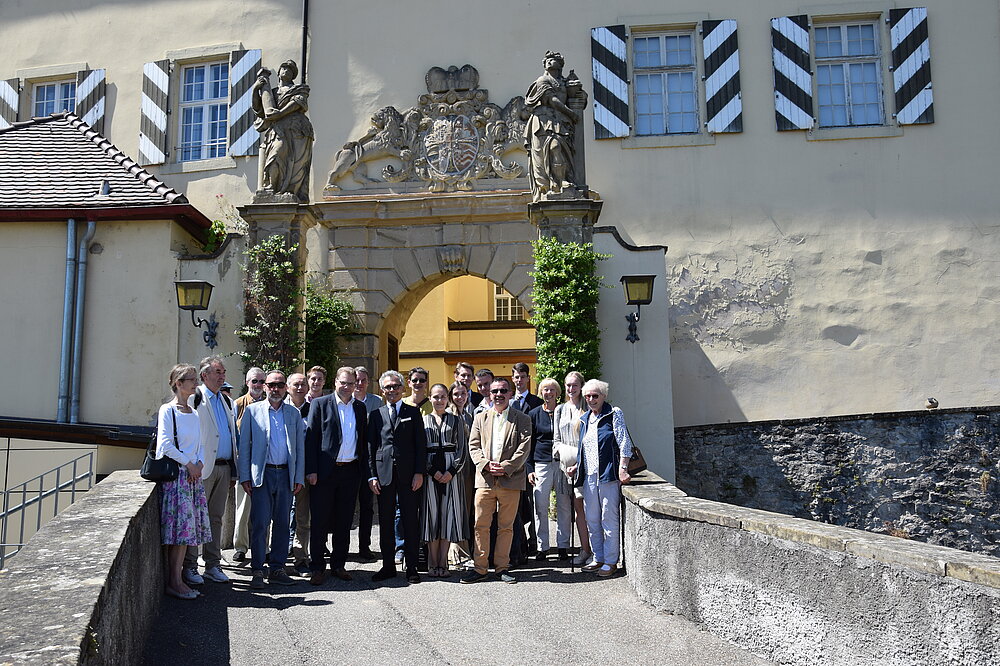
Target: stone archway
(391, 251)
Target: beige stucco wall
(806, 277)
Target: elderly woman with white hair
(603, 455)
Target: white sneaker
(216, 575)
(192, 577)
(582, 558)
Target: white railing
(24, 505)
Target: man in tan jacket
(498, 446)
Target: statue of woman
(285, 131)
(548, 135)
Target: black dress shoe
(383, 574)
(366, 555)
(412, 577)
(342, 574)
(474, 577)
(541, 556)
(563, 554)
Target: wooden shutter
(243, 137)
(9, 96)
(608, 47)
(723, 99)
(911, 66)
(153, 121)
(793, 103)
(90, 92)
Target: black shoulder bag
(160, 469)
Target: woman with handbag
(184, 508)
(565, 438)
(603, 455)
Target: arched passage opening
(465, 318)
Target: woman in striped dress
(445, 515)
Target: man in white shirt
(336, 458)
(218, 439)
(271, 463)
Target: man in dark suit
(336, 457)
(465, 373)
(397, 459)
(523, 399)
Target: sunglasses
(498, 391)
(276, 385)
(418, 380)
(392, 387)
(256, 381)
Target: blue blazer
(254, 429)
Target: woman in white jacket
(566, 435)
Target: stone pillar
(568, 221)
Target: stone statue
(554, 104)
(286, 135)
(390, 135)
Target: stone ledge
(658, 496)
(85, 588)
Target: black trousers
(366, 515)
(398, 493)
(331, 505)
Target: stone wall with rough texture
(87, 587)
(799, 592)
(929, 476)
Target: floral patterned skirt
(184, 512)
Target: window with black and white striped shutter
(243, 137)
(723, 99)
(153, 121)
(911, 66)
(793, 102)
(90, 92)
(609, 48)
(9, 96)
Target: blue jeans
(269, 506)
(398, 529)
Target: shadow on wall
(712, 401)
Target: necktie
(394, 414)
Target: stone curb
(658, 496)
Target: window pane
(67, 97)
(861, 40)
(194, 84)
(45, 100)
(682, 114)
(649, 104)
(832, 95)
(647, 52)
(678, 48)
(220, 81)
(828, 44)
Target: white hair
(596, 385)
(390, 374)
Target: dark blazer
(475, 397)
(323, 435)
(405, 445)
(531, 401)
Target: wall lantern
(638, 292)
(194, 295)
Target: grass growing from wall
(565, 295)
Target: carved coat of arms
(454, 136)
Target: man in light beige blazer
(498, 446)
(218, 439)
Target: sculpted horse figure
(391, 135)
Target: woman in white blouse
(184, 509)
(565, 439)
(602, 466)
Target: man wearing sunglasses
(419, 379)
(499, 447)
(255, 393)
(397, 458)
(272, 463)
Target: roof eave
(190, 218)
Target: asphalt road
(551, 616)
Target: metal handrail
(7, 516)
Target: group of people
(466, 470)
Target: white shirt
(591, 458)
(348, 431)
(499, 428)
(187, 448)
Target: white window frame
(60, 88)
(505, 306)
(207, 103)
(665, 70)
(845, 62)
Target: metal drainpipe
(62, 410)
(305, 36)
(81, 284)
